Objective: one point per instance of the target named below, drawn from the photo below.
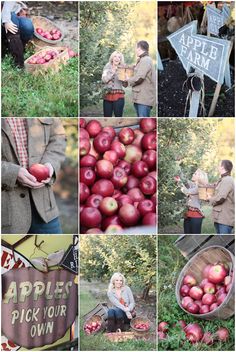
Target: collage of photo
(118, 175)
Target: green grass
(170, 263)
(48, 95)
(129, 111)
(98, 342)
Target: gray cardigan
(9, 7)
(110, 79)
(127, 296)
(192, 195)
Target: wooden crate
(203, 192)
(195, 266)
(124, 72)
(116, 122)
(189, 245)
(101, 309)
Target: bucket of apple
(205, 287)
(46, 30)
(93, 325)
(141, 326)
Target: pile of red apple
(54, 34)
(43, 57)
(117, 176)
(210, 293)
(142, 326)
(92, 328)
(194, 333)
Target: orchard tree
(133, 256)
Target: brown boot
(16, 48)
(120, 324)
(111, 326)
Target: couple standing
(222, 202)
(143, 84)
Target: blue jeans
(193, 226)
(142, 110)
(116, 107)
(117, 313)
(24, 25)
(39, 226)
(223, 229)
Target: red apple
(39, 171)
(119, 177)
(150, 158)
(90, 217)
(116, 194)
(88, 161)
(220, 291)
(199, 303)
(194, 332)
(111, 156)
(221, 298)
(84, 192)
(82, 122)
(149, 219)
(222, 334)
(124, 199)
(213, 306)
(149, 141)
(126, 135)
(136, 194)
(104, 168)
(92, 151)
(148, 185)
(119, 148)
(163, 326)
(108, 206)
(139, 169)
(196, 292)
(184, 290)
(87, 176)
(227, 280)
(133, 154)
(132, 182)
(83, 133)
(39, 30)
(147, 125)
(189, 280)
(94, 200)
(138, 135)
(185, 301)
(125, 165)
(203, 283)
(103, 187)
(84, 146)
(102, 142)
(111, 220)
(129, 215)
(205, 308)
(181, 323)
(209, 288)
(208, 298)
(206, 270)
(207, 338)
(217, 273)
(94, 128)
(114, 229)
(94, 231)
(110, 131)
(192, 308)
(161, 335)
(146, 206)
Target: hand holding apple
(28, 180)
(51, 171)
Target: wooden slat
(116, 122)
(100, 309)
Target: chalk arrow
(216, 18)
(207, 54)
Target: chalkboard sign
(216, 19)
(70, 259)
(209, 55)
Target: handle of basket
(118, 330)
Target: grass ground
(170, 263)
(207, 225)
(49, 95)
(98, 342)
(129, 111)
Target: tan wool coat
(223, 202)
(145, 92)
(46, 143)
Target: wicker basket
(119, 336)
(46, 25)
(195, 266)
(204, 191)
(94, 319)
(54, 64)
(124, 72)
(138, 320)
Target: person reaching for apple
(17, 30)
(32, 153)
(193, 217)
(122, 300)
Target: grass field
(170, 263)
(129, 111)
(48, 95)
(98, 342)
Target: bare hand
(51, 171)
(11, 27)
(28, 180)
(129, 315)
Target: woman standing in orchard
(121, 297)
(193, 217)
(114, 97)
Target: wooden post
(195, 99)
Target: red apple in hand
(39, 171)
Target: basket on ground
(124, 72)
(195, 266)
(140, 325)
(46, 25)
(203, 192)
(93, 325)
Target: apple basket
(204, 191)
(93, 325)
(140, 325)
(195, 267)
(46, 25)
(124, 72)
(61, 58)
